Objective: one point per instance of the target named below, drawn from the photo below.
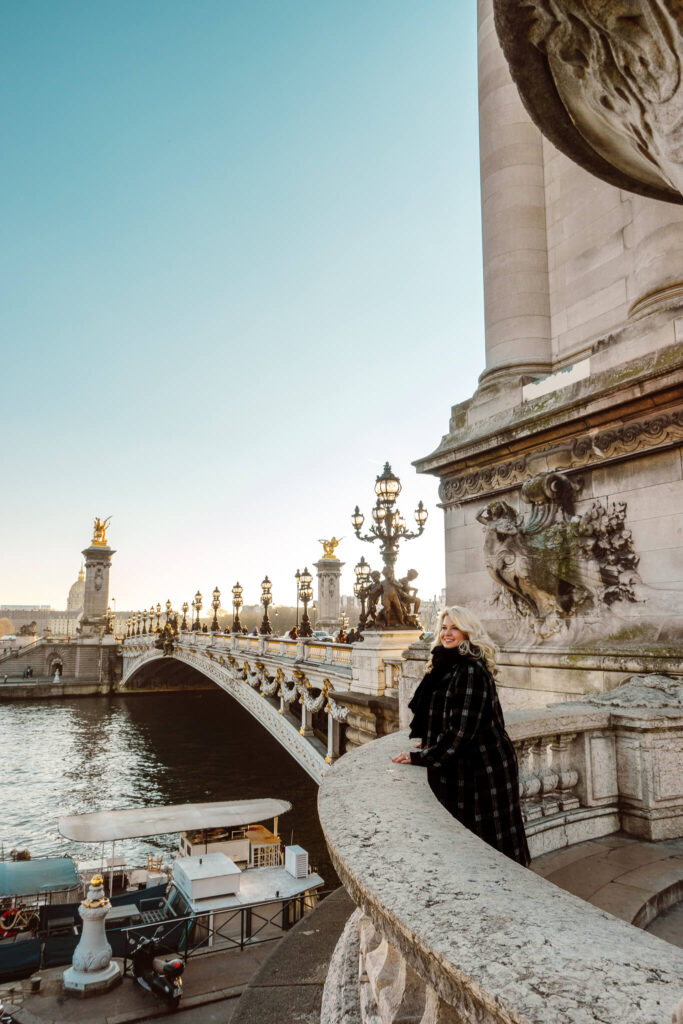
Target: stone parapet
(450, 930)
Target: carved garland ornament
(581, 452)
(553, 562)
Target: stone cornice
(643, 386)
(583, 450)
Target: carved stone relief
(554, 562)
(603, 82)
(554, 567)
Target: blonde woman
(470, 760)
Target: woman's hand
(402, 758)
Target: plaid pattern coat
(470, 760)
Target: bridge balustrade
(448, 930)
(285, 673)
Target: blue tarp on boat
(32, 877)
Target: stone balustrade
(448, 930)
(354, 686)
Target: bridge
(297, 689)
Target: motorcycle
(159, 976)
(5, 1017)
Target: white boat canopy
(136, 822)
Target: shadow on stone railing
(448, 930)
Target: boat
(232, 883)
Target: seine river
(95, 753)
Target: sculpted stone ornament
(92, 969)
(654, 692)
(555, 567)
(602, 80)
(555, 562)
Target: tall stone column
(657, 279)
(516, 292)
(96, 596)
(329, 593)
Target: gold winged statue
(99, 539)
(329, 546)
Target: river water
(98, 753)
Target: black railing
(198, 935)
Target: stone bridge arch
(230, 677)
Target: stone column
(657, 279)
(516, 292)
(329, 594)
(96, 596)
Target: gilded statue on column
(99, 539)
(329, 546)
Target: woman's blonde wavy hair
(478, 643)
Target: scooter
(160, 976)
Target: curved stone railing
(449, 930)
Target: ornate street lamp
(297, 577)
(144, 623)
(266, 599)
(198, 607)
(158, 616)
(137, 633)
(169, 608)
(362, 571)
(236, 604)
(306, 592)
(151, 620)
(389, 527)
(216, 603)
(185, 608)
(109, 622)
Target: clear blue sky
(241, 267)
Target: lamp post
(215, 603)
(236, 604)
(185, 606)
(144, 623)
(306, 592)
(169, 608)
(158, 617)
(139, 617)
(266, 599)
(389, 527)
(297, 577)
(362, 571)
(198, 607)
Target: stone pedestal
(92, 969)
(369, 669)
(96, 597)
(329, 594)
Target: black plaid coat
(470, 760)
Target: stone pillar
(516, 291)
(92, 970)
(96, 596)
(368, 658)
(329, 594)
(657, 279)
